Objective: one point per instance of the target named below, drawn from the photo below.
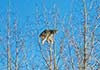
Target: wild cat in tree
(48, 35)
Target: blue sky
(25, 12)
(22, 9)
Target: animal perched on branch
(48, 35)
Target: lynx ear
(54, 31)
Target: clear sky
(21, 9)
(24, 11)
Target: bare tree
(76, 44)
(8, 41)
